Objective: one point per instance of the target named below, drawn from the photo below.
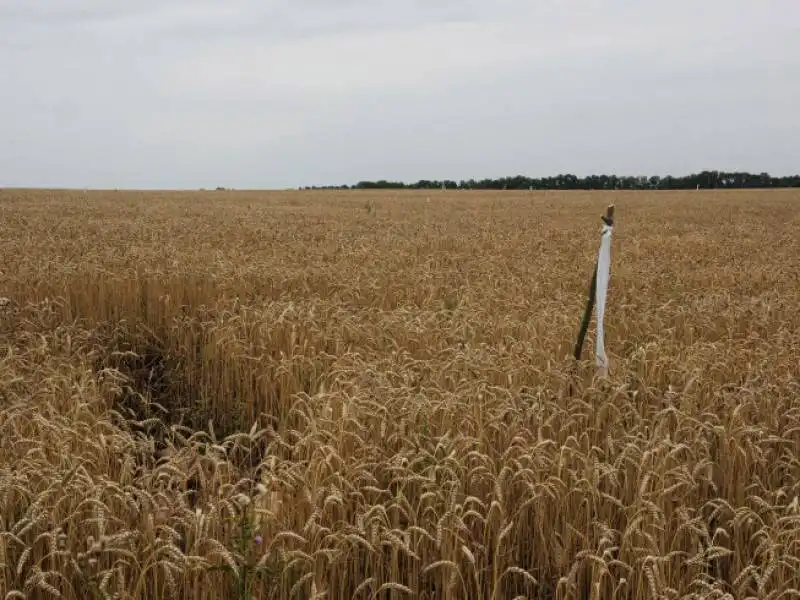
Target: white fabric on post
(603, 274)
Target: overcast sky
(281, 93)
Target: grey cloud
(238, 18)
(38, 13)
(251, 94)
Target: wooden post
(608, 219)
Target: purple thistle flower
(259, 539)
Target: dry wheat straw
(384, 394)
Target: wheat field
(213, 395)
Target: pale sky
(280, 93)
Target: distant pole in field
(598, 289)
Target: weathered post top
(609, 218)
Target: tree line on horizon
(703, 180)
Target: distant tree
(568, 181)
